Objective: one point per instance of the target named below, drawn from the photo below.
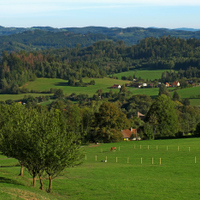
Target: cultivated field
(160, 169)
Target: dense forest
(101, 59)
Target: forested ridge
(99, 60)
(16, 39)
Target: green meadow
(144, 74)
(158, 169)
(45, 84)
(4, 97)
(188, 92)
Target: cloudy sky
(110, 13)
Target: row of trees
(40, 140)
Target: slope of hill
(48, 37)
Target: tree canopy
(163, 117)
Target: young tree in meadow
(62, 147)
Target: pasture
(144, 74)
(43, 84)
(160, 169)
(188, 92)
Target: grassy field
(144, 74)
(4, 97)
(188, 92)
(42, 84)
(100, 83)
(160, 169)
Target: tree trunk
(21, 171)
(34, 181)
(41, 183)
(50, 184)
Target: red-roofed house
(176, 84)
(127, 133)
(116, 86)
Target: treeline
(99, 60)
(126, 106)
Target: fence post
(116, 159)
(152, 161)
(96, 157)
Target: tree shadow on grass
(61, 84)
(9, 181)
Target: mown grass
(176, 177)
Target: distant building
(129, 134)
(140, 115)
(176, 84)
(116, 86)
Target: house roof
(175, 83)
(140, 115)
(127, 132)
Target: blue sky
(109, 13)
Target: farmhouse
(176, 84)
(129, 134)
(116, 86)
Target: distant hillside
(187, 29)
(38, 38)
